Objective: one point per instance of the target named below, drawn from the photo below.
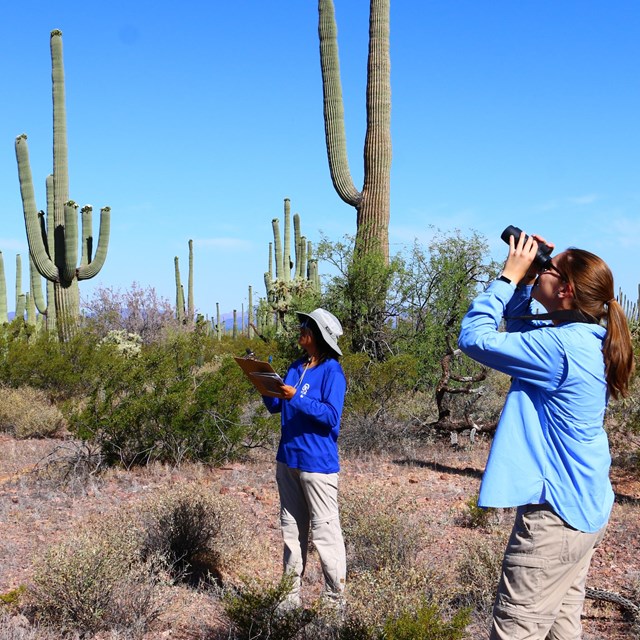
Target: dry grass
(28, 413)
(422, 497)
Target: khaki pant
(545, 566)
(311, 500)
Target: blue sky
(196, 119)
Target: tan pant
(311, 499)
(545, 566)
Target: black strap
(561, 315)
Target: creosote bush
(476, 517)
(27, 413)
(256, 612)
(164, 405)
(426, 623)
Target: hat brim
(328, 339)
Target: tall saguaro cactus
(56, 259)
(372, 204)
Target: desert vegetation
(137, 473)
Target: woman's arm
(327, 410)
(535, 356)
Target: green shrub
(476, 517)
(426, 623)
(12, 599)
(62, 370)
(373, 419)
(95, 580)
(172, 404)
(27, 413)
(257, 611)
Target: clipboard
(262, 376)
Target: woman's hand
(287, 391)
(520, 266)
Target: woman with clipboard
(310, 406)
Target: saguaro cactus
(56, 259)
(4, 315)
(185, 315)
(179, 292)
(372, 204)
(281, 289)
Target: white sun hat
(328, 324)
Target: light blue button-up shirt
(550, 445)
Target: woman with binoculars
(550, 454)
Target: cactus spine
(56, 258)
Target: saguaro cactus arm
(92, 268)
(334, 106)
(37, 246)
(36, 287)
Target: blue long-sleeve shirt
(550, 445)
(311, 419)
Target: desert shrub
(373, 418)
(191, 529)
(95, 580)
(73, 465)
(377, 534)
(165, 405)
(376, 596)
(476, 517)
(27, 413)
(62, 370)
(426, 623)
(257, 611)
(478, 570)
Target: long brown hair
(592, 283)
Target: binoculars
(543, 255)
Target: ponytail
(592, 284)
(617, 351)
